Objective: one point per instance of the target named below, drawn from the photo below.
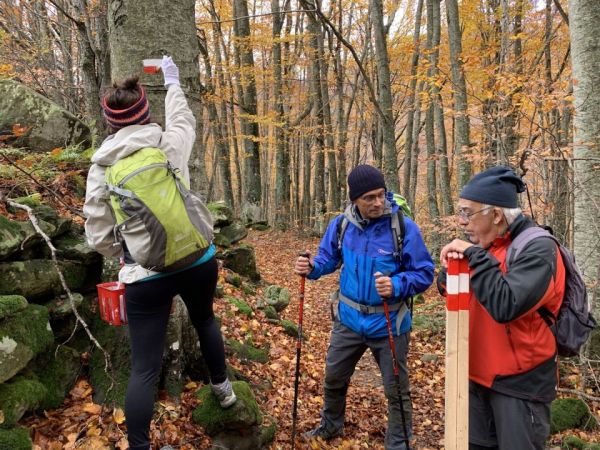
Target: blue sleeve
(417, 265)
(328, 258)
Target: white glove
(170, 71)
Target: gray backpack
(574, 323)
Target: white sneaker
(224, 393)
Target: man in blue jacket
(368, 247)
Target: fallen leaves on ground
(81, 423)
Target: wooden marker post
(457, 355)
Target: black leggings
(148, 309)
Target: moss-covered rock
(247, 351)
(15, 439)
(73, 246)
(11, 305)
(573, 442)
(240, 304)
(37, 279)
(11, 236)
(115, 340)
(234, 232)
(214, 419)
(57, 371)
(270, 313)
(221, 240)
(222, 215)
(290, 328)
(234, 279)
(60, 307)
(241, 260)
(278, 297)
(48, 125)
(22, 337)
(568, 413)
(19, 396)
(267, 432)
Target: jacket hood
(351, 212)
(126, 141)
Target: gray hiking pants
(500, 422)
(345, 350)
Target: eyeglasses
(372, 197)
(466, 216)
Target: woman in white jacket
(149, 294)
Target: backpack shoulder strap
(524, 238)
(341, 227)
(398, 231)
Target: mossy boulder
(115, 340)
(22, 337)
(290, 328)
(48, 125)
(221, 240)
(240, 304)
(60, 307)
(270, 313)
(278, 297)
(73, 246)
(573, 442)
(57, 371)
(11, 305)
(566, 413)
(242, 261)
(19, 396)
(15, 439)
(38, 279)
(234, 232)
(234, 279)
(11, 236)
(247, 351)
(243, 415)
(221, 213)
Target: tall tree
(410, 120)
(385, 99)
(459, 90)
(248, 104)
(584, 17)
(282, 158)
(133, 37)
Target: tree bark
(139, 29)
(387, 125)
(248, 103)
(584, 17)
(461, 118)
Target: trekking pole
(298, 352)
(396, 366)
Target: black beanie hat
(364, 178)
(497, 186)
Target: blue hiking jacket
(368, 247)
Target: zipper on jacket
(512, 346)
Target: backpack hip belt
(367, 309)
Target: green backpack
(165, 226)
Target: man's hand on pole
(304, 264)
(384, 285)
(454, 249)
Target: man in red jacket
(512, 351)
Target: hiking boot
(323, 433)
(224, 393)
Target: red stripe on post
(463, 285)
(452, 285)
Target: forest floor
(82, 424)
